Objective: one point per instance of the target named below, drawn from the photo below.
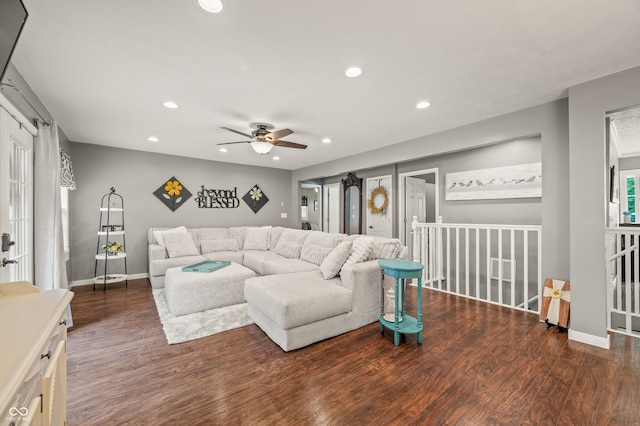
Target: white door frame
(326, 206)
(402, 201)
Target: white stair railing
(623, 281)
(498, 264)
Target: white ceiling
(103, 68)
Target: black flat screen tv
(13, 16)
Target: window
(64, 207)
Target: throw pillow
(257, 238)
(225, 244)
(290, 243)
(360, 250)
(384, 248)
(178, 245)
(159, 235)
(314, 253)
(289, 249)
(332, 264)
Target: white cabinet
(33, 362)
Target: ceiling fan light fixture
(261, 147)
(211, 6)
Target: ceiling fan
(262, 139)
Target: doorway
(16, 199)
(418, 195)
(331, 208)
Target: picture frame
(517, 181)
(614, 187)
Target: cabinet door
(54, 387)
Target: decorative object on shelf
(521, 181)
(378, 200)
(172, 193)
(217, 198)
(255, 198)
(112, 247)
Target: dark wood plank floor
(479, 364)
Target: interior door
(331, 208)
(16, 195)
(416, 201)
(379, 224)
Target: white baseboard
(77, 283)
(590, 339)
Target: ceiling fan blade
(286, 144)
(238, 132)
(280, 134)
(231, 143)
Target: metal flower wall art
(172, 193)
(255, 198)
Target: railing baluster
(466, 257)
(525, 263)
(448, 280)
(512, 250)
(477, 263)
(489, 265)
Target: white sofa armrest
(156, 251)
(364, 279)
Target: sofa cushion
(384, 248)
(231, 256)
(180, 245)
(274, 237)
(238, 232)
(332, 264)
(158, 236)
(204, 234)
(290, 243)
(159, 267)
(360, 250)
(297, 299)
(257, 238)
(212, 246)
(287, 266)
(318, 245)
(255, 259)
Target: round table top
(400, 265)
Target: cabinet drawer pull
(63, 322)
(47, 355)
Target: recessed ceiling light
(152, 139)
(223, 150)
(422, 105)
(170, 104)
(211, 6)
(276, 158)
(326, 140)
(353, 72)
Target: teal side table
(403, 323)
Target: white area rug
(201, 324)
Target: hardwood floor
(479, 364)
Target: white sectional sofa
(310, 285)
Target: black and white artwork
(520, 181)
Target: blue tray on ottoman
(206, 266)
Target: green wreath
(379, 191)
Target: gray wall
(136, 175)
(550, 121)
(520, 211)
(588, 104)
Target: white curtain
(50, 265)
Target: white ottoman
(190, 292)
